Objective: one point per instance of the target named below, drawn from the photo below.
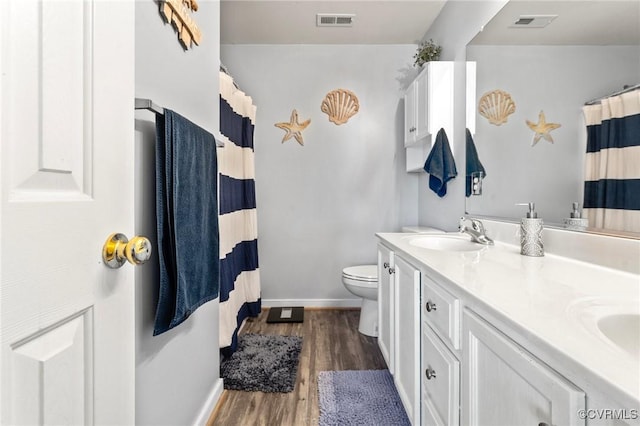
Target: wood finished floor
(330, 341)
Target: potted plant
(427, 51)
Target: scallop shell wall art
(340, 105)
(496, 106)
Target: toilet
(363, 282)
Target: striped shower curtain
(239, 273)
(612, 168)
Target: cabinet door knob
(543, 424)
(391, 271)
(430, 306)
(430, 373)
(385, 265)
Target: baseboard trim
(312, 303)
(210, 404)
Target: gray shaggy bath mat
(366, 397)
(264, 363)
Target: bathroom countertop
(553, 301)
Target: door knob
(118, 249)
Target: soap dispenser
(531, 233)
(576, 221)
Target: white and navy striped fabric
(612, 168)
(239, 272)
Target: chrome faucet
(476, 231)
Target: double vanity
(481, 335)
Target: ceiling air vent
(334, 20)
(533, 21)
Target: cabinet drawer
(441, 311)
(440, 382)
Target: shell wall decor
(542, 129)
(496, 106)
(293, 128)
(340, 105)
(178, 13)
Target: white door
(407, 337)
(385, 305)
(66, 168)
(505, 385)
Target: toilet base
(369, 318)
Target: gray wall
(558, 80)
(319, 205)
(176, 371)
(457, 24)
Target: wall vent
(533, 21)
(334, 19)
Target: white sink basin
(623, 330)
(440, 242)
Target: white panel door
(385, 305)
(407, 337)
(505, 385)
(66, 169)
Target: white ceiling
(579, 22)
(294, 22)
(602, 22)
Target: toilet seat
(364, 273)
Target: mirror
(588, 50)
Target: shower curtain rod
(141, 103)
(224, 69)
(624, 90)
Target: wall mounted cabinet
(428, 107)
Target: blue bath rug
(366, 397)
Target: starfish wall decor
(542, 129)
(293, 128)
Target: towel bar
(141, 103)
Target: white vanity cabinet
(407, 337)
(386, 293)
(399, 326)
(491, 351)
(428, 107)
(503, 384)
(440, 342)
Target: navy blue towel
(440, 164)
(473, 162)
(187, 219)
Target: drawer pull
(431, 374)
(430, 306)
(385, 265)
(391, 271)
